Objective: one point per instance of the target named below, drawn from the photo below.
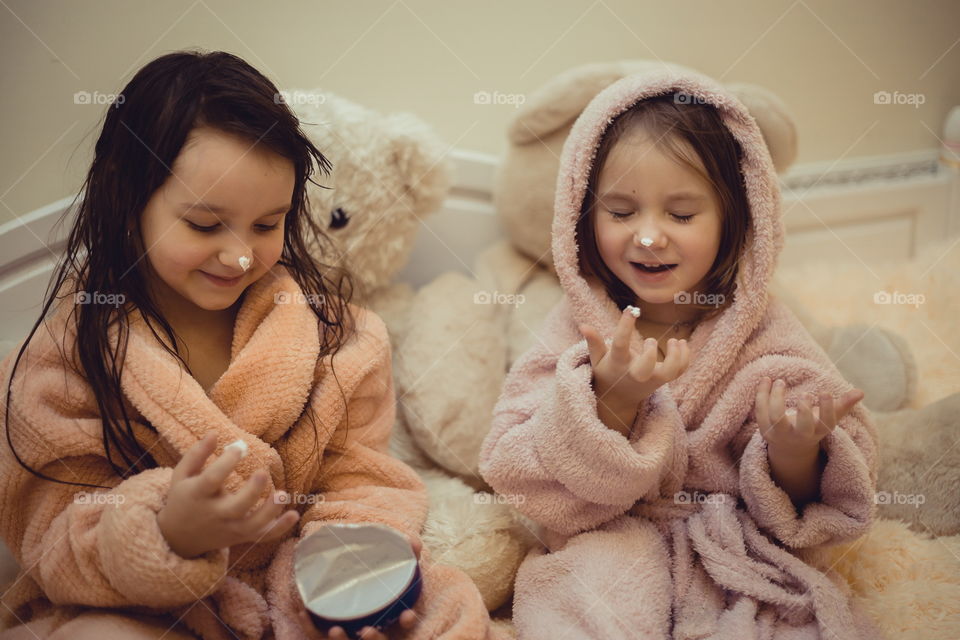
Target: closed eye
(202, 229)
(682, 219)
(208, 229)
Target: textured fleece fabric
(79, 553)
(679, 530)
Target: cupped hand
(200, 516)
(627, 372)
(799, 431)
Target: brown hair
(141, 137)
(672, 121)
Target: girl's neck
(186, 318)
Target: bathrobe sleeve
(845, 506)
(81, 545)
(549, 450)
(359, 482)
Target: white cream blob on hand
(244, 262)
(634, 311)
(240, 446)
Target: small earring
(645, 241)
(244, 262)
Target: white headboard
(30, 247)
(869, 210)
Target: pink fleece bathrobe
(78, 553)
(677, 531)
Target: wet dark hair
(676, 125)
(143, 132)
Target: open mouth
(653, 269)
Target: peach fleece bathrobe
(109, 553)
(678, 531)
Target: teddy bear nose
(338, 218)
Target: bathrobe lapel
(275, 341)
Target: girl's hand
(406, 622)
(625, 377)
(793, 433)
(199, 517)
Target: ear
(422, 160)
(776, 124)
(559, 102)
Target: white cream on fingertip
(240, 446)
(634, 311)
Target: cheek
(700, 242)
(611, 237)
(175, 253)
(269, 251)
(698, 245)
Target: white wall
(826, 59)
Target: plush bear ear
(557, 104)
(774, 119)
(422, 160)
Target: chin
(211, 302)
(218, 307)
(218, 304)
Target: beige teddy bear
(389, 174)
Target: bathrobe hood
(588, 301)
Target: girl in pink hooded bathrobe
(675, 478)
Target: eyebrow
(213, 208)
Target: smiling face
(644, 194)
(222, 207)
